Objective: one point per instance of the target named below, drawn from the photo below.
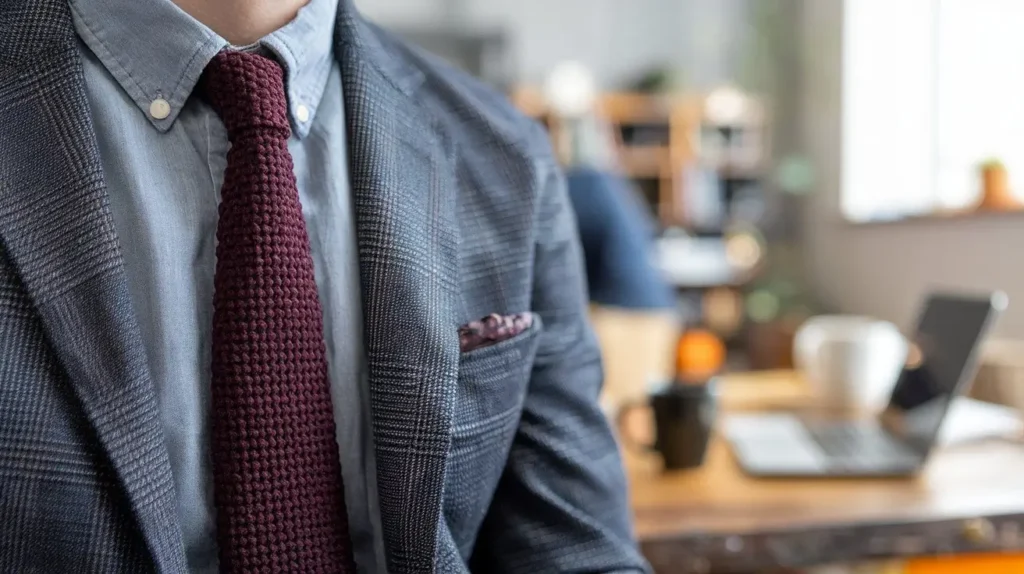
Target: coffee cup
(683, 419)
(850, 362)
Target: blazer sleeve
(561, 504)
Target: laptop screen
(940, 359)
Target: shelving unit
(660, 139)
(653, 139)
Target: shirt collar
(155, 51)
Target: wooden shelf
(675, 116)
(735, 171)
(672, 145)
(638, 108)
(646, 161)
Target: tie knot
(247, 92)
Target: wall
(618, 39)
(885, 270)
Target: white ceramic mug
(851, 362)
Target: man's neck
(242, 22)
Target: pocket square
(492, 330)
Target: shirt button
(159, 109)
(302, 113)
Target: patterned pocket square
(492, 330)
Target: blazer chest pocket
(492, 386)
(493, 380)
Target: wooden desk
(970, 499)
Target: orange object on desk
(699, 355)
(980, 564)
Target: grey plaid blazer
(496, 460)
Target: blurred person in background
(245, 249)
(617, 236)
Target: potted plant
(996, 194)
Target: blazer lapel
(56, 229)
(403, 184)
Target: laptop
(897, 441)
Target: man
(244, 249)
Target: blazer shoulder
(467, 108)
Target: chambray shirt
(164, 152)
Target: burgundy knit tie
(277, 476)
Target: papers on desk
(969, 420)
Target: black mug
(684, 415)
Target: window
(931, 89)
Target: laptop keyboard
(853, 447)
